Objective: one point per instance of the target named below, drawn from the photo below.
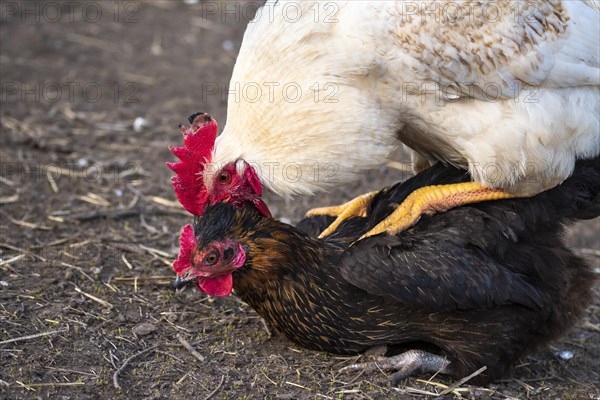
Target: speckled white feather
(514, 97)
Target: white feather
(515, 98)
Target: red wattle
(219, 286)
(262, 207)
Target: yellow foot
(354, 208)
(436, 198)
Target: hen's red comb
(187, 243)
(198, 142)
(213, 286)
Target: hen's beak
(181, 282)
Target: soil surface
(89, 224)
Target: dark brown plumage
(480, 284)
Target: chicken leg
(425, 200)
(405, 364)
(356, 207)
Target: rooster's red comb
(198, 142)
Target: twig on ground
(166, 353)
(24, 386)
(589, 326)
(211, 394)
(35, 336)
(126, 261)
(190, 348)
(72, 371)
(53, 243)
(267, 376)
(296, 385)
(12, 260)
(94, 298)
(79, 269)
(89, 41)
(463, 380)
(37, 256)
(9, 199)
(591, 252)
(150, 279)
(412, 390)
(52, 182)
(49, 384)
(122, 368)
(155, 252)
(29, 225)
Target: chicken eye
(224, 178)
(211, 259)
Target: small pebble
(145, 328)
(565, 355)
(228, 45)
(140, 123)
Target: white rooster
(323, 91)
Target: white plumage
(326, 90)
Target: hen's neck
(276, 251)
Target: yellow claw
(354, 208)
(435, 198)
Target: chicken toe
(432, 199)
(356, 207)
(270, 330)
(405, 364)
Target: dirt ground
(89, 224)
